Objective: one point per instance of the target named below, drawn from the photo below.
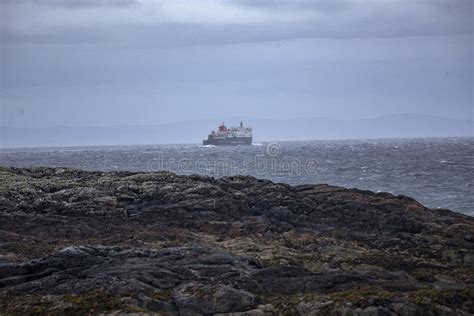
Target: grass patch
(454, 298)
(364, 296)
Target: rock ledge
(80, 242)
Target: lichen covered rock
(80, 242)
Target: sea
(438, 172)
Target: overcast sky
(105, 62)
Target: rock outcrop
(79, 242)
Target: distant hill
(389, 126)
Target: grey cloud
(73, 4)
(320, 6)
(151, 61)
(180, 22)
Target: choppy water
(437, 172)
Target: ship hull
(227, 141)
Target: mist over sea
(438, 172)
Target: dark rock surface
(75, 242)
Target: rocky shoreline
(80, 242)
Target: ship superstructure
(224, 136)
